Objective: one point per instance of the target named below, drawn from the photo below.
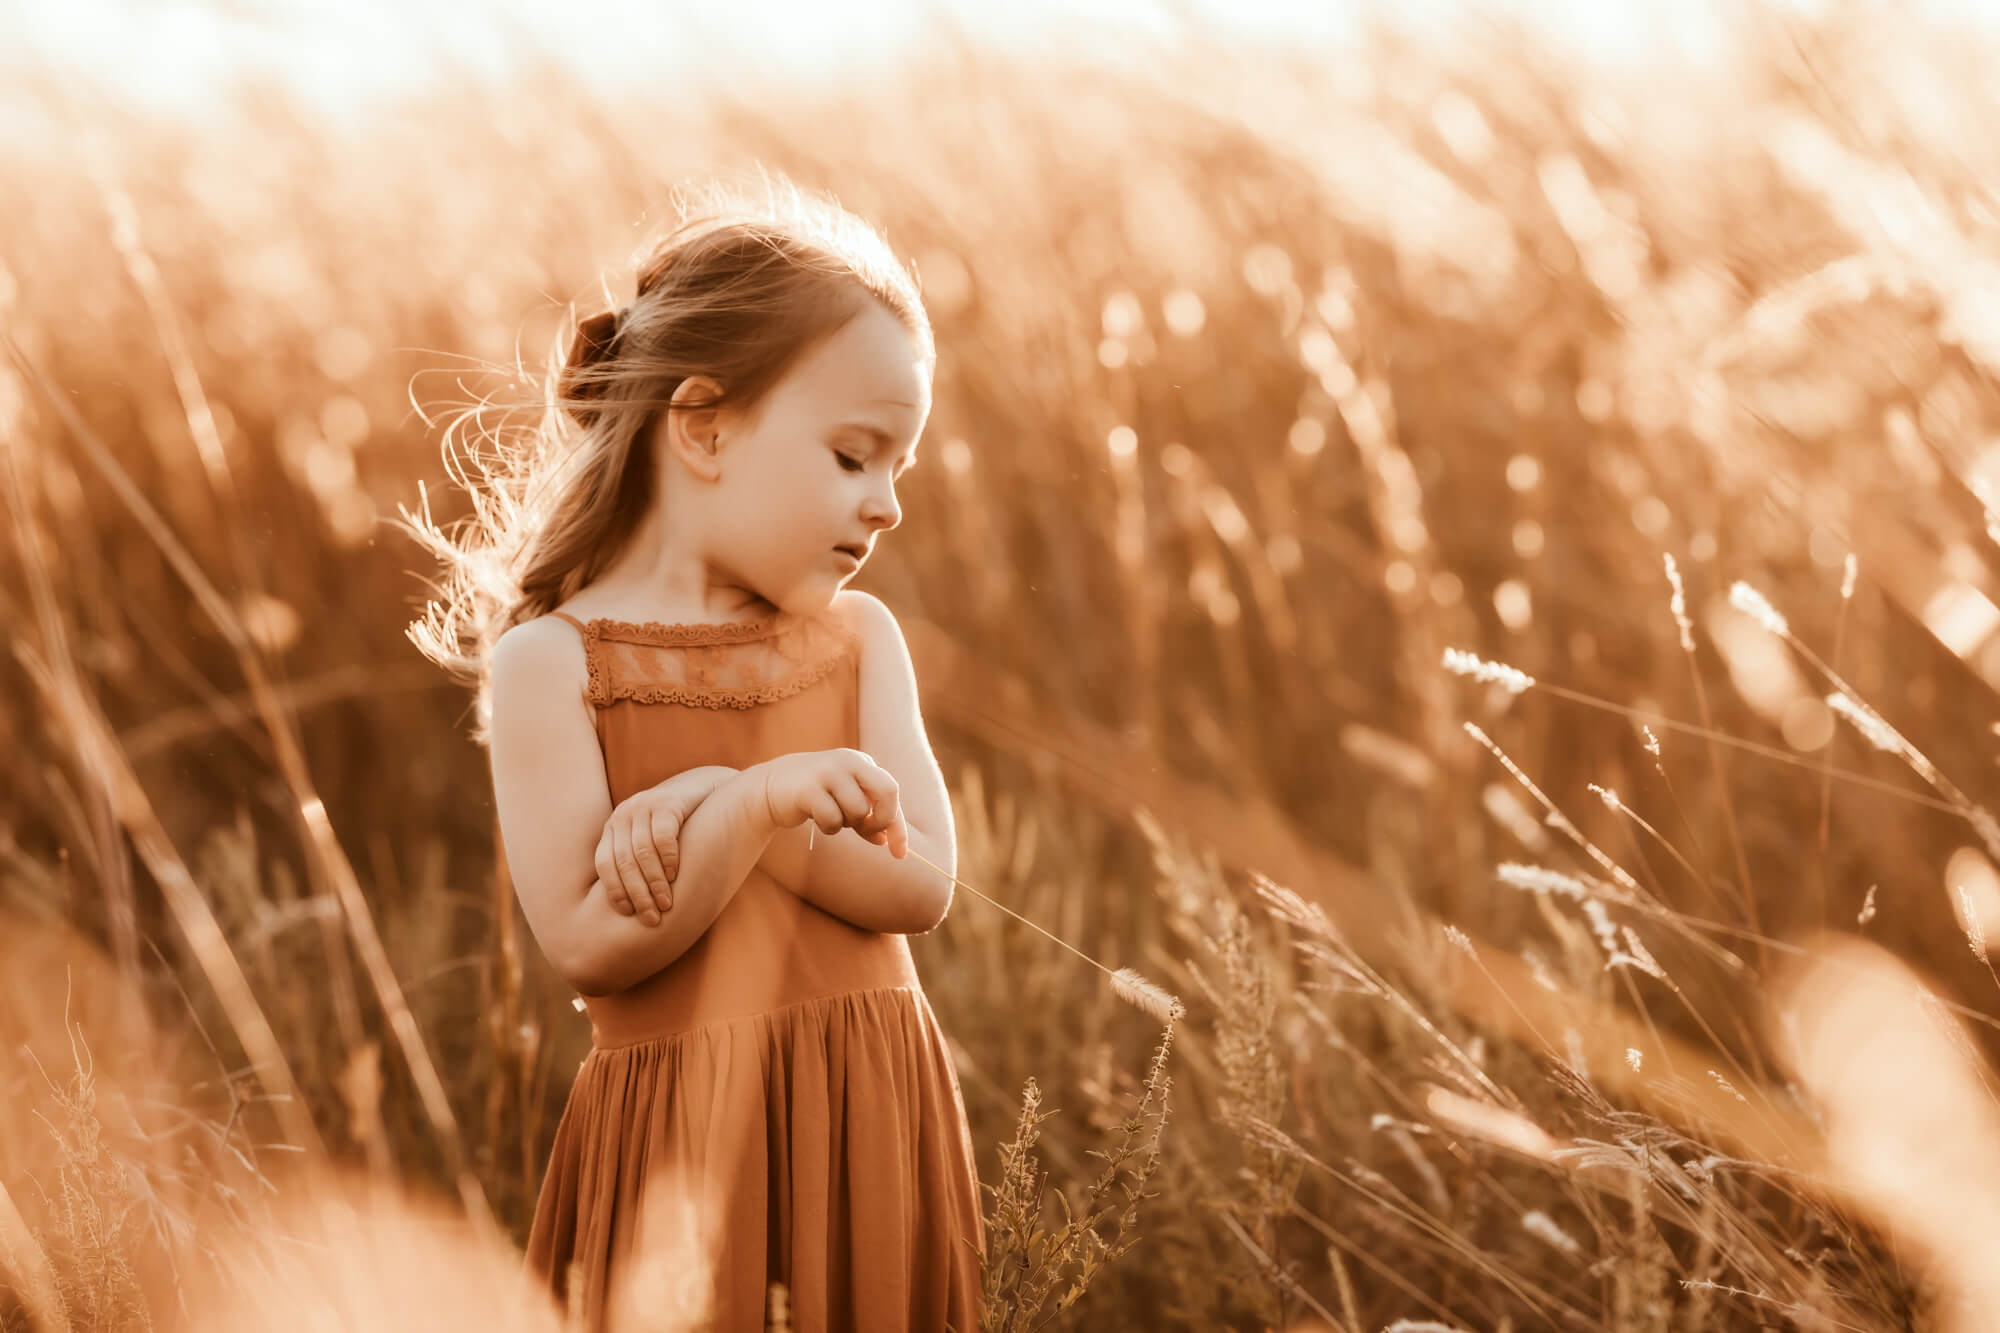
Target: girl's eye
(852, 464)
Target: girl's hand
(639, 854)
(837, 789)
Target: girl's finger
(665, 839)
(666, 829)
(881, 812)
(854, 803)
(607, 875)
(629, 872)
(876, 780)
(827, 814)
(647, 856)
(888, 810)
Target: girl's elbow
(928, 910)
(931, 894)
(583, 973)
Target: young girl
(709, 767)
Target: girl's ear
(690, 431)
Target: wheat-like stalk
(1126, 984)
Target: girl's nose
(882, 511)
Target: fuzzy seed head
(1753, 604)
(1640, 956)
(1540, 879)
(1143, 995)
(1461, 663)
(1968, 920)
(1543, 1228)
(1680, 605)
(1868, 722)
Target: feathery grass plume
(27, 1273)
(1146, 997)
(1253, 1093)
(1877, 731)
(1968, 920)
(97, 1235)
(1013, 1227)
(1679, 604)
(1126, 983)
(1511, 679)
(1556, 818)
(1543, 1228)
(1601, 926)
(1541, 879)
(1873, 727)
(1847, 574)
(1755, 605)
(1028, 1266)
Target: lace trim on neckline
(601, 692)
(679, 632)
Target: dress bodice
(670, 697)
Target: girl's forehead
(871, 361)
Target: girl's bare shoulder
(858, 612)
(542, 657)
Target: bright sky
(338, 54)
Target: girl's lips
(848, 556)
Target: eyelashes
(849, 463)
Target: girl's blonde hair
(738, 289)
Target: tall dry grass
(1264, 382)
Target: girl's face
(815, 469)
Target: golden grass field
(1643, 989)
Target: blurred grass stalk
(98, 755)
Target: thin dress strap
(589, 662)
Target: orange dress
(778, 1104)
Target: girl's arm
(840, 873)
(859, 881)
(720, 842)
(844, 873)
(553, 802)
